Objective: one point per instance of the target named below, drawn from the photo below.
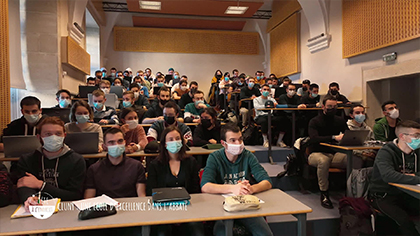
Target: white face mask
(105, 90)
(291, 93)
(136, 95)
(183, 88)
(32, 119)
(394, 114)
(235, 149)
(132, 124)
(53, 143)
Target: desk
(413, 190)
(194, 151)
(203, 207)
(348, 150)
(148, 125)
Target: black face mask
(206, 123)
(334, 92)
(99, 76)
(305, 89)
(163, 102)
(169, 119)
(331, 112)
(193, 90)
(218, 76)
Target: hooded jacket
(20, 127)
(64, 174)
(390, 165)
(381, 129)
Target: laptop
(62, 113)
(118, 90)
(85, 90)
(354, 138)
(83, 142)
(170, 194)
(16, 146)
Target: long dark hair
(163, 152)
(76, 104)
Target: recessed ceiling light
(150, 5)
(235, 10)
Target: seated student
(302, 91)
(384, 128)
(183, 89)
(134, 135)
(27, 124)
(269, 81)
(176, 86)
(233, 169)
(260, 80)
(193, 110)
(333, 90)
(100, 111)
(188, 97)
(155, 111)
(291, 99)
(170, 114)
(326, 127)
(98, 75)
(121, 82)
(116, 175)
(282, 88)
(275, 80)
(357, 122)
(223, 87)
(91, 81)
(6, 186)
(105, 86)
(54, 168)
(250, 91)
(261, 117)
(311, 99)
(63, 99)
(175, 80)
(173, 168)
(143, 84)
(160, 83)
(139, 99)
(208, 131)
(285, 82)
(397, 162)
(80, 115)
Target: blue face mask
(251, 85)
(226, 79)
(414, 144)
(98, 105)
(63, 103)
(116, 150)
(314, 95)
(127, 104)
(175, 77)
(270, 85)
(265, 93)
(160, 84)
(359, 118)
(258, 77)
(198, 102)
(81, 119)
(174, 146)
(240, 83)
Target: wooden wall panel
(4, 65)
(284, 47)
(280, 11)
(372, 24)
(74, 55)
(135, 39)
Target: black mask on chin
(163, 102)
(331, 112)
(206, 123)
(169, 119)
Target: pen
(39, 196)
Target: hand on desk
(31, 201)
(29, 181)
(338, 137)
(241, 188)
(302, 106)
(212, 141)
(196, 120)
(253, 96)
(103, 121)
(132, 147)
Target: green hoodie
(219, 170)
(390, 165)
(381, 130)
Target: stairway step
(279, 154)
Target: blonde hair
(104, 82)
(98, 93)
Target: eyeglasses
(415, 135)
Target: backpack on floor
(291, 168)
(355, 217)
(295, 162)
(358, 182)
(250, 135)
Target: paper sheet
(90, 202)
(21, 212)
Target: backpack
(291, 168)
(355, 217)
(251, 136)
(358, 182)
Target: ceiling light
(236, 10)
(150, 5)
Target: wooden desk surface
(413, 188)
(203, 207)
(348, 148)
(194, 151)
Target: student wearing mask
(357, 122)
(188, 97)
(105, 86)
(170, 76)
(100, 111)
(113, 72)
(120, 75)
(91, 81)
(275, 80)
(249, 91)
(170, 115)
(143, 84)
(397, 162)
(155, 111)
(54, 168)
(30, 107)
(63, 98)
(129, 102)
(183, 89)
(269, 81)
(134, 135)
(98, 75)
(324, 128)
(384, 128)
(235, 73)
(173, 168)
(121, 82)
(80, 117)
(177, 85)
(291, 99)
(139, 98)
(334, 91)
(282, 88)
(235, 170)
(304, 89)
(149, 76)
(214, 88)
(260, 80)
(175, 80)
(311, 99)
(240, 82)
(208, 131)
(160, 83)
(116, 175)
(193, 110)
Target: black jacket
(291, 102)
(247, 93)
(6, 187)
(185, 99)
(20, 127)
(202, 136)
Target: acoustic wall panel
(4, 65)
(280, 11)
(74, 55)
(372, 24)
(185, 41)
(284, 47)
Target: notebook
(83, 142)
(170, 194)
(90, 202)
(21, 212)
(16, 146)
